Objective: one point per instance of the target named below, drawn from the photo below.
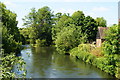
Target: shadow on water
(45, 62)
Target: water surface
(45, 62)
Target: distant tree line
(64, 31)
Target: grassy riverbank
(109, 64)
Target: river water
(45, 62)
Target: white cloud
(100, 9)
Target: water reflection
(45, 62)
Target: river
(45, 62)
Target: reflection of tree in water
(42, 59)
(86, 67)
(62, 61)
(73, 65)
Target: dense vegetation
(108, 59)
(71, 34)
(11, 43)
(59, 29)
(70, 31)
(40, 26)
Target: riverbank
(109, 64)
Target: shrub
(82, 52)
(40, 42)
(111, 45)
(68, 38)
(8, 62)
(108, 63)
(84, 47)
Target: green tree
(42, 20)
(45, 27)
(68, 38)
(101, 21)
(11, 39)
(78, 18)
(25, 35)
(62, 22)
(57, 16)
(112, 43)
(70, 31)
(30, 19)
(11, 43)
(90, 28)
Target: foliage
(30, 19)
(108, 63)
(112, 43)
(11, 43)
(11, 38)
(62, 22)
(101, 21)
(8, 63)
(40, 42)
(90, 28)
(8, 42)
(70, 31)
(68, 38)
(57, 16)
(78, 18)
(41, 23)
(9, 21)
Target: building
(119, 22)
(100, 38)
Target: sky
(94, 8)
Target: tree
(56, 18)
(45, 27)
(11, 39)
(70, 31)
(78, 18)
(62, 22)
(112, 43)
(30, 19)
(90, 28)
(68, 38)
(25, 34)
(101, 21)
(42, 21)
(11, 43)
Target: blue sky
(95, 8)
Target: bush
(8, 62)
(68, 39)
(84, 47)
(40, 42)
(111, 45)
(108, 63)
(82, 52)
(74, 51)
(9, 44)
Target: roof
(101, 32)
